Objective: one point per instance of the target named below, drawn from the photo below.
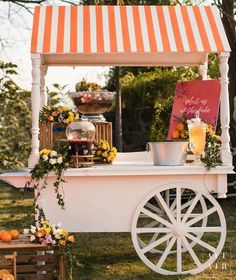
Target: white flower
(57, 232)
(32, 238)
(33, 229)
(52, 161)
(57, 236)
(60, 160)
(26, 231)
(45, 157)
(53, 154)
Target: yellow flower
(45, 152)
(67, 121)
(105, 154)
(71, 118)
(103, 145)
(114, 150)
(48, 230)
(49, 108)
(210, 129)
(65, 233)
(71, 114)
(45, 222)
(98, 153)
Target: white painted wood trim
(226, 156)
(35, 105)
(43, 92)
(222, 186)
(129, 170)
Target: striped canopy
(127, 29)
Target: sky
(15, 36)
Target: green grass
(111, 256)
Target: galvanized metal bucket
(168, 153)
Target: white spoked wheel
(161, 213)
(175, 232)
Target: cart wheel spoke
(156, 243)
(155, 217)
(191, 252)
(154, 208)
(167, 210)
(185, 205)
(173, 205)
(179, 255)
(200, 242)
(203, 229)
(191, 207)
(178, 205)
(153, 230)
(151, 224)
(201, 216)
(166, 253)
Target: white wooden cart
(177, 225)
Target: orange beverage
(197, 138)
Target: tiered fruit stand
(176, 223)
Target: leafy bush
(15, 120)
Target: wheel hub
(177, 230)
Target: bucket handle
(148, 149)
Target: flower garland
(58, 114)
(50, 160)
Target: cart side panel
(107, 204)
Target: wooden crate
(103, 131)
(51, 134)
(28, 261)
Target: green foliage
(50, 161)
(147, 101)
(212, 151)
(15, 120)
(59, 95)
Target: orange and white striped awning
(127, 29)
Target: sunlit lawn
(111, 256)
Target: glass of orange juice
(197, 138)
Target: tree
(15, 120)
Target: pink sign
(192, 96)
